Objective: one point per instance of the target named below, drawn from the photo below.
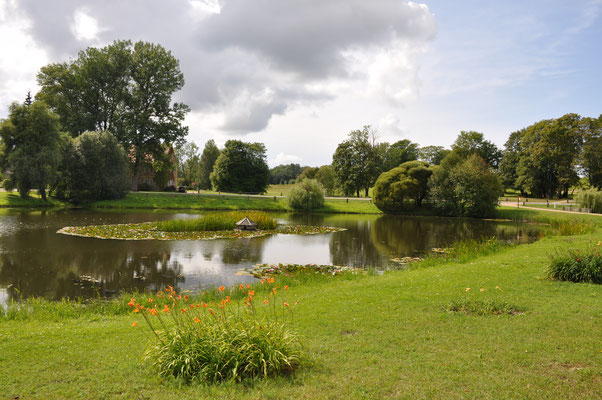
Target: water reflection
(35, 261)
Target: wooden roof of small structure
(246, 222)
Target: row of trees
(547, 158)
(97, 121)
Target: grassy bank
(421, 333)
(227, 202)
(12, 199)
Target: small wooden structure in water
(246, 224)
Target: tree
(284, 173)
(470, 142)
(121, 88)
(188, 163)
(307, 173)
(591, 156)
(508, 165)
(433, 154)
(398, 153)
(207, 162)
(548, 155)
(241, 167)
(325, 177)
(408, 181)
(32, 146)
(306, 195)
(356, 163)
(467, 188)
(95, 167)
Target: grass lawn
(386, 336)
(12, 199)
(204, 201)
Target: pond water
(36, 261)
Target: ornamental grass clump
(577, 265)
(225, 340)
(218, 221)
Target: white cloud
(84, 27)
(282, 158)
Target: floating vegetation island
(207, 227)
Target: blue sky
(299, 75)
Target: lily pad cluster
(149, 231)
(266, 270)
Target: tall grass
(213, 342)
(590, 199)
(575, 265)
(218, 222)
(463, 251)
(557, 225)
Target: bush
(407, 182)
(171, 188)
(577, 266)
(306, 195)
(8, 185)
(590, 199)
(224, 341)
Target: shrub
(170, 188)
(217, 221)
(221, 341)
(577, 266)
(306, 195)
(8, 185)
(590, 199)
(394, 188)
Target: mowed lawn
(374, 337)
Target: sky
(299, 75)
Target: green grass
(227, 202)
(388, 336)
(12, 199)
(576, 265)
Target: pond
(36, 261)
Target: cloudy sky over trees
(298, 75)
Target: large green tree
(471, 142)
(31, 146)
(241, 167)
(122, 88)
(398, 153)
(356, 162)
(394, 188)
(325, 177)
(544, 157)
(95, 167)
(465, 187)
(210, 154)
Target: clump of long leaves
(225, 340)
(218, 221)
(577, 265)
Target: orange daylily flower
(285, 304)
(196, 320)
(183, 310)
(251, 293)
(150, 300)
(285, 287)
(265, 301)
(136, 310)
(221, 288)
(132, 302)
(134, 324)
(165, 309)
(154, 311)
